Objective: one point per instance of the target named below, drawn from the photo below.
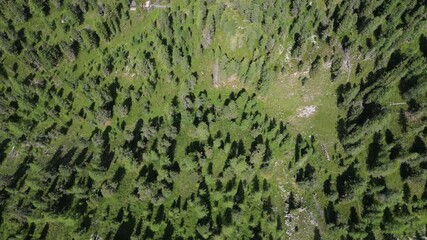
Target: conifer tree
(353, 218)
(331, 216)
(316, 234)
(240, 194)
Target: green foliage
(188, 120)
(39, 7)
(50, 55)
(90, 38)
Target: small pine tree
(327, 186)
(403, 121)
(370, 236)
(228, 216)
(279, 226)
(255, 183)
(309, 172)
(298, 141)
(405, 170)
(240, 194)
(387, 216)
(265, 186)
(169, 230)
(340, 185)
(300, 175)
(424, 195)
(331, 216)
(418, 146)
(291, 202)
(405, 210)
(353, 218)
(39, 7)
(406, 192)
(341, 129)
(389, 137)
(45, 231)
(317, 234)
(373, 151)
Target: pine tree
(240, 194)
(331, 216)
(373, 151)
(327, 186)
(76, 13)
(279, 226)
(168, 232)
(291, 202)
(387, 216)
(228, 216)
(424, 195)
(340, 185)
(316, 234)
(405, 210)
(353, 218)
(370, 236)
(403, 121)
(418, 146)
(406, 192)
(405, 170)
(255, 183)
(298, 141)
(389, 137)
(300, 175)
(103, 30)
(39, 7)
(44, 232)
(309, 172)
(265, 186)
(341, 129)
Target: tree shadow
(44, 232)
(126, 229)
(119, 175)
(3, 147)
(20, 172)
(133, 144)
(81, 157)
(169, 230)
(107, 157)
(128, 103)
(57, 160)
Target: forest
(203, 119)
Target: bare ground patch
(305, 112)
